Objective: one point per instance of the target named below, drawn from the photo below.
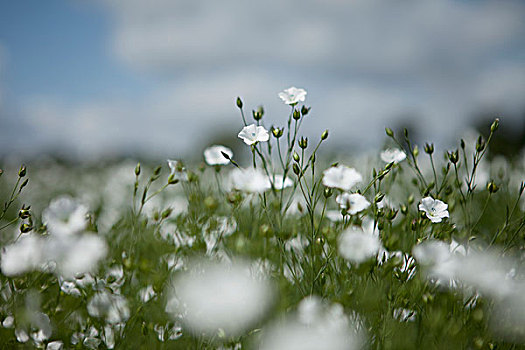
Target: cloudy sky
(160, 77)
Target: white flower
(358, 246)
(279, 183)
(435, 209)
(65, 216)
(114, 308)
(436, 256)
(252, 134)
(293, 95)
(22, 256)
(249, 180)
(352, 203)
(177, 170)
(341, 177)
(213, 296)
(213, 155)
(393, 155)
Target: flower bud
(405, 131)
(256, 115)
(379, 197)
(328, 192)
(404, 209)
(391, 214)
(389, 132)
(411, 199)
(156, 171)
(166, 213)
(305, 110)
(429, 148)
(239, 102)
(277, 132)
(480, 144)
(413, 225)
(415, 151)
(494, 125)
(24, 228)
(156, 215)
(137, 169)
(453, 156)
(492, 187)
(172, 180)
(24, 184)
(296, 114)
(22, 172)
(296, 169)
(296, 157)
(462, 144)
(24, 213)
(303, 142)
(324, 135)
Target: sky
(160, 77)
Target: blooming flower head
(214, 155)
(252, 134)
(393, 155)
(435, 209)
(249, 180)
(353, 203)
(177, 170)
(357, 246)
(212, 296)
(341, 177)
(293, 95)
(65, 216)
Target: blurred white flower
(214, 155)
(358, 246)
(114, 308)
(293, 95)
(22, 256)
(393, 155)
(177, 170)
(252, 134)
(314, 326)
(353, 203)
(249, 180)
(65, 216)
(435, 209)
(341, 177)
(214, 296)
(280, 182)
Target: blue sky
(92, 78)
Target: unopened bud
(239, 102)
(389, 132)
(210, 203)
(494, 125)
(453, 156)
(405, 131)
(156, 171)
(256, 115)
(305, 110)
(296, 114)
(492, 187)
(24, 184)
(379, 197)
(410, 199)
(24, 228)
(296, 169)
(166, 213)
(324, 135)
(391, 214)
(24, 214)
(328, 192)
(415, 151)
(462, 144)
(296, 157)
(404, 209)
(303, 142)
(137, 169)
(22, 172)
(172, 180)
(277, 132)
(429, 148)
(480, 144)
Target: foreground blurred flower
(22, 256)
(435, 209)
(214, 155)
(293, 95)
(177, 170)
(353, 203)
(252, 134)
(249, 180)
(113, 308)
(314, 326)
(213, 296)
(65, 216)
(357, 246)
(280, 182)
(341, 177)
(393, 155)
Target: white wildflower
(435, 209)
(341, 177)
(353, 203)
(293, 95)
(358, 246)
(177, 170)
(393, 155)
(252, 134)
(65, 216)
(214, 155)
(23, 256)
(249, 180)
(280, 182)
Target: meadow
(406, 247)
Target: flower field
(284, 247)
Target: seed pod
(22, 172)
(137, 169)
(324, 135)
(389, 132)
(239, 102)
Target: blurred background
(105, 79)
